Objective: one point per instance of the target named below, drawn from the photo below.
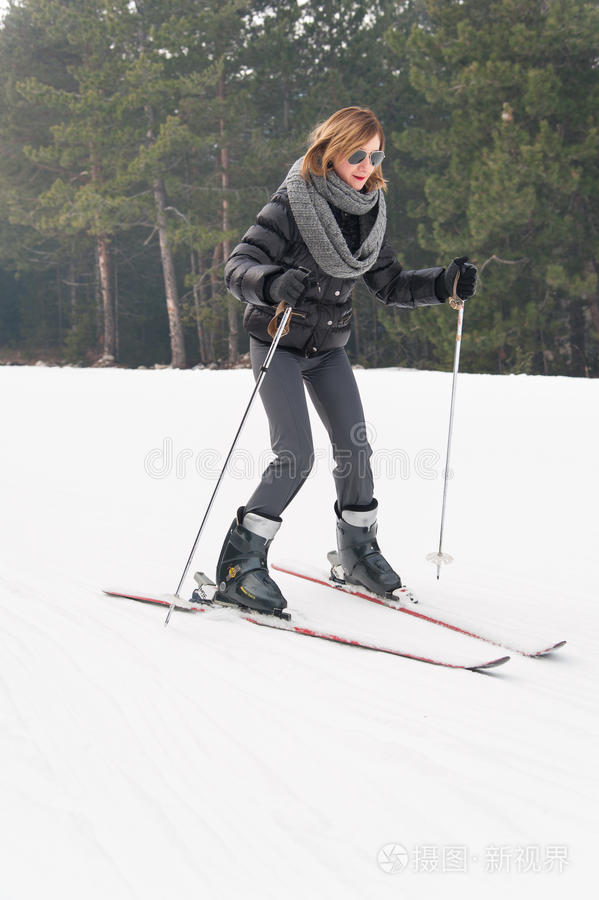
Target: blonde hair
(342, 133)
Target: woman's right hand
(289, 287)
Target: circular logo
(362, 433)
(392, 858)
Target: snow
(221, 760)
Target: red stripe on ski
(157, 601)
(364, 645)
(354, 592)
(280, 625)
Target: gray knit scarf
(309, 200)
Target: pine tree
(504, 147)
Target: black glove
(466, 286)
(288, 287)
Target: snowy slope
(222, 760)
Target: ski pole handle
(274, 322)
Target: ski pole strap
(454, 301)
(274, 322)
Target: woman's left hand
(466, 285)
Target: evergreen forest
(140, 138)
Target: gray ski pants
(333, 390)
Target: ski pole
(438, 559)
(281, 330)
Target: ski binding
(206, 592)
(339, 579)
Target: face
(356, 176)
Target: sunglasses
(376, 157)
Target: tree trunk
(98, 297)
(196, 271)
(577, 338)
(117, 345)
(170, 280)
(594, 308)
(166, 255)
(216, 259)
(232, 303)
(105, 269)
(104, 266)
(286, 113)
(72, 291)
(59, 293)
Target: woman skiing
(322, 230)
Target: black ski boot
(242, 574)
(358, 552)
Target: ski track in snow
(217, 759)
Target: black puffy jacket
(322, 318)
